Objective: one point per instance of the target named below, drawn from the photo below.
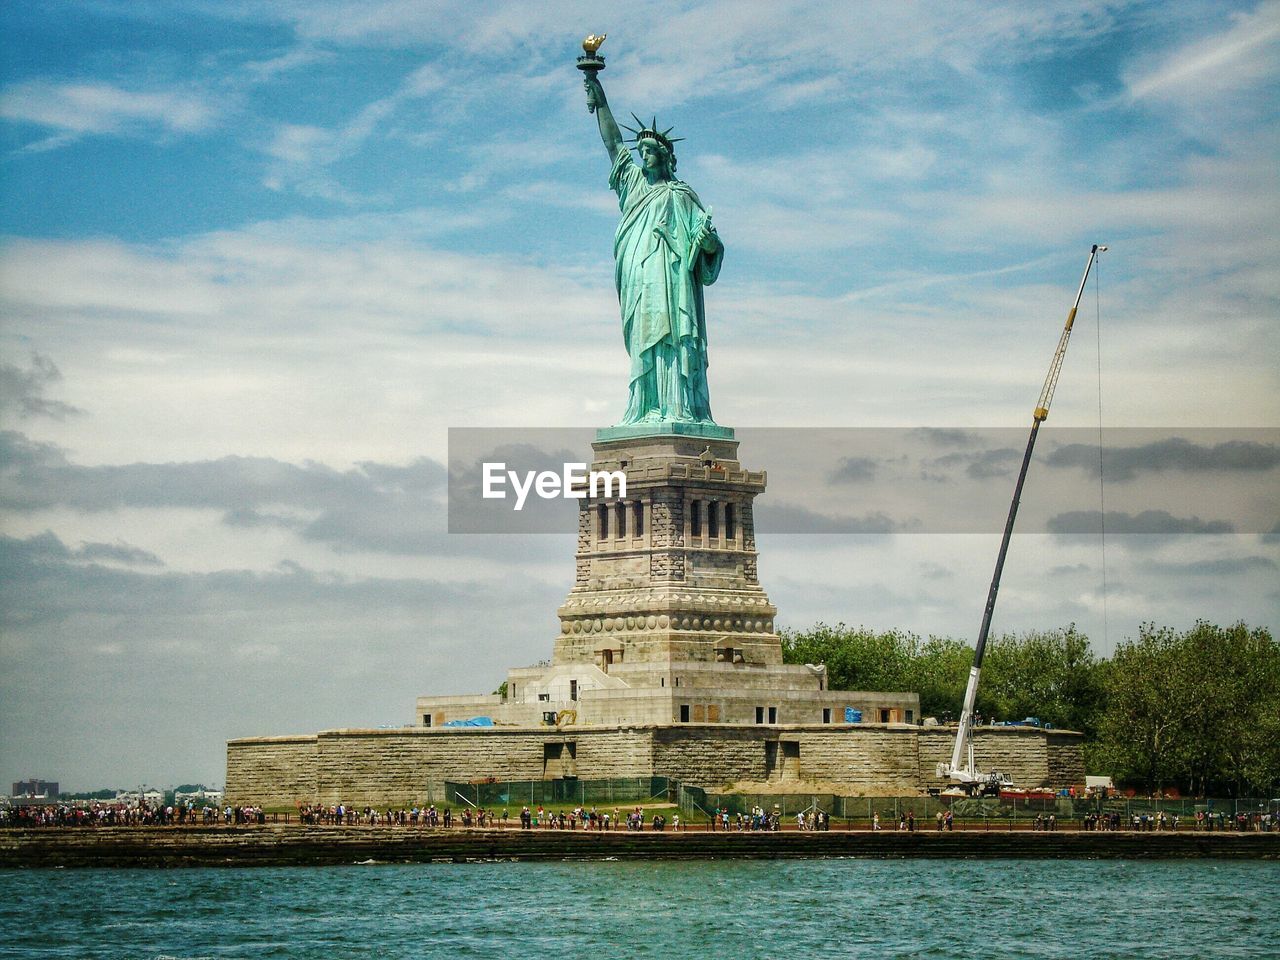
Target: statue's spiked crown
(650, 131)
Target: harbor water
(1006, 909)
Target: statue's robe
(660, 270)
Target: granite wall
(406, 766)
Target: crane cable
(1102, 487)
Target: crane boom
(962, 753)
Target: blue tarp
(852, 716)
(473, 722)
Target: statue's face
(653, 157)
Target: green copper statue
(665, 251)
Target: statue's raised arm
(598, 105)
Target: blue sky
(257, 258)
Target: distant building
(35, 789)
(198, 796)
(151, 796)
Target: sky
(258, 258)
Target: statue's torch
(591, 62)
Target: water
(995, 910)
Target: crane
(962, 770)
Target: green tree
(1147, 706)
(1235, 700)
(1197, 709)
(858, 659)
(1052, 675)
(939, 674)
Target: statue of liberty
(665, 251)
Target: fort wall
(407, 766)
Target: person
(665, 251)
(875, 821)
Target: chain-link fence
(502, 793)
(862, 811)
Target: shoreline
(292, 845)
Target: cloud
(979, 465)
(119, 552)
(993, 463)
(302, 154)
(1159, 522)
(1175, 454)
(854, 470)
(87, 108)
(22, 391)
(1217, 567)
(46, 548)
(261, 71)
(944, 436)
(788, 518)
(1070, 569)
(294, 650)
(784, 49)
(373, 506)
(1240, 57)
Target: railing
(989, 812)
(503, 793)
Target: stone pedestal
(666, 621)
(666, 575)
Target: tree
(1052, 675)
(1235, 701)
(1147, 706)
(858, 659)
(939, 674)
(1198, 708)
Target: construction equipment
(967, 775)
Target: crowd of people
(187, 813)
(1257, 821)
(760, 819)
(111, 814)
(593, 819)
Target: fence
(694, 801)
(503, 793)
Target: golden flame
(592, 43)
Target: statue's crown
(650, 131)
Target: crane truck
(962, 770)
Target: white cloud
(79, 109)
(262, 71)
(1240, 57)
(302, 154)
